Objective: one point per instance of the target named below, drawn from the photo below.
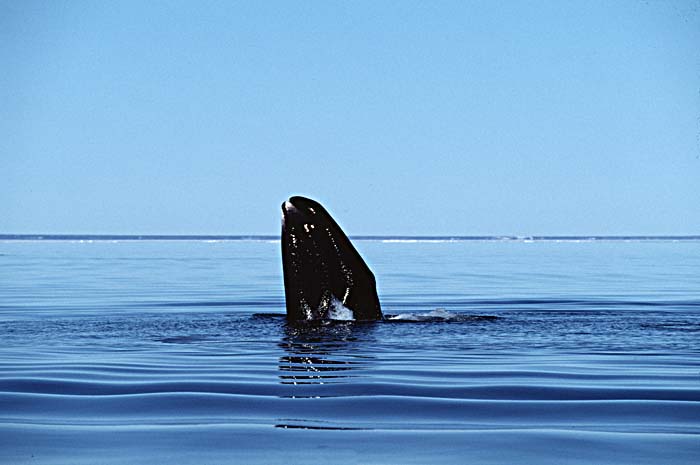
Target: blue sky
(401, 117)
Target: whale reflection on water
(324, 353)
(324, 361)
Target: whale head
(324, 276)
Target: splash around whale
(325, 278)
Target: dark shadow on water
(322, 357)
(321, 428)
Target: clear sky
(436, 117)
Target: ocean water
(497, 352)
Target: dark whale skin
(322, 269)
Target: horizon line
(437, 237)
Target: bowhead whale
(324, 276)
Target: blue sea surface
(496, 351)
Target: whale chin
(324, 275)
